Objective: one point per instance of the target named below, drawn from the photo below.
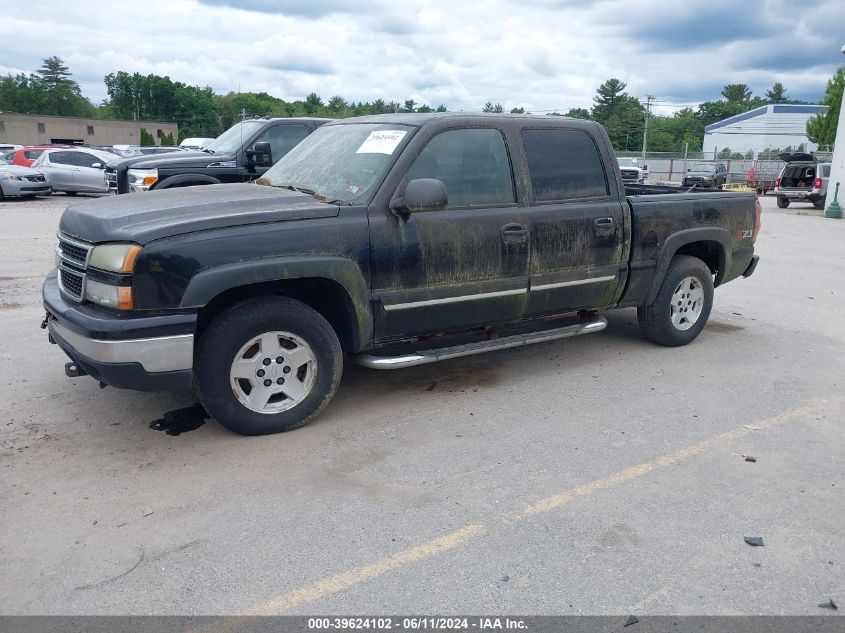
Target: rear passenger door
(576, 224)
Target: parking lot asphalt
(597, 475)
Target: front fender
(209, 283)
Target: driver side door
(282, 138)
(464, 266)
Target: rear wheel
(818, 203)
(268, 365)
(783, 202)
(682, 306)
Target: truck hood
(171, 160)
(703, 174)
(154, 215)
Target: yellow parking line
(358, 575)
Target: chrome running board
(444, 353)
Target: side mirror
(645, 166)
(260, 155)
(97, 165)
(422, 194)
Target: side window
(826, 171)
(564, 164)
(60, 158)
(473, 164)
(32, 154)
(84, 159)
(283, 138)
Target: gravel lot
(597, 475)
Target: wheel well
(326, 296)
(711, 253)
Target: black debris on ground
(181, 421)
(830, 604)
(750, 458)
(632, 619)
(757, 541)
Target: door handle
(604, 226)
(514, 233)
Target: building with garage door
(773, 126)
(40, 129)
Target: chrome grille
(111, 180)
(72, 262)
(72, 251)
(71, 283)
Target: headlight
(116, 258)
(142, 178)
(119, 297)
(10, 175)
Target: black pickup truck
(393, 240)
(231, 157)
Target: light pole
(837, 167)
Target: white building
(773, 126)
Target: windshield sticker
(381, 142)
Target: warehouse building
(38, 129)
(773, 126)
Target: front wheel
(682, 306)
(268, 365)
(783, 202)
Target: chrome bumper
(162, 354)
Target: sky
(543, 55)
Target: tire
(782, 202)
(661, 321)
(2, 197)
(70, 193)
(818, 203)
(240, 334)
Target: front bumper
(24, 188)
(150, 353)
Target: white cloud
(539, 54)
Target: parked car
(26, 156)
(21, 182)
(75, 170)
(802, 180)
(706, 176)
(396, 240)
(5, 148)
(631, 170)
(230, 158)
(196, 143)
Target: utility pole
(649, 99)
(243, 114)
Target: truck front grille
(111, 180)
(71, 283)
(72, 263)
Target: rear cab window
(473, 164)
(564, 165)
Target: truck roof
(422, 118)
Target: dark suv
(706, 176)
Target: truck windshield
(628, 162)
(705, 167)
(340, 162)
(231, 140)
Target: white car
(75, 170)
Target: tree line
(199, 111)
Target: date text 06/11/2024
(418, 623)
